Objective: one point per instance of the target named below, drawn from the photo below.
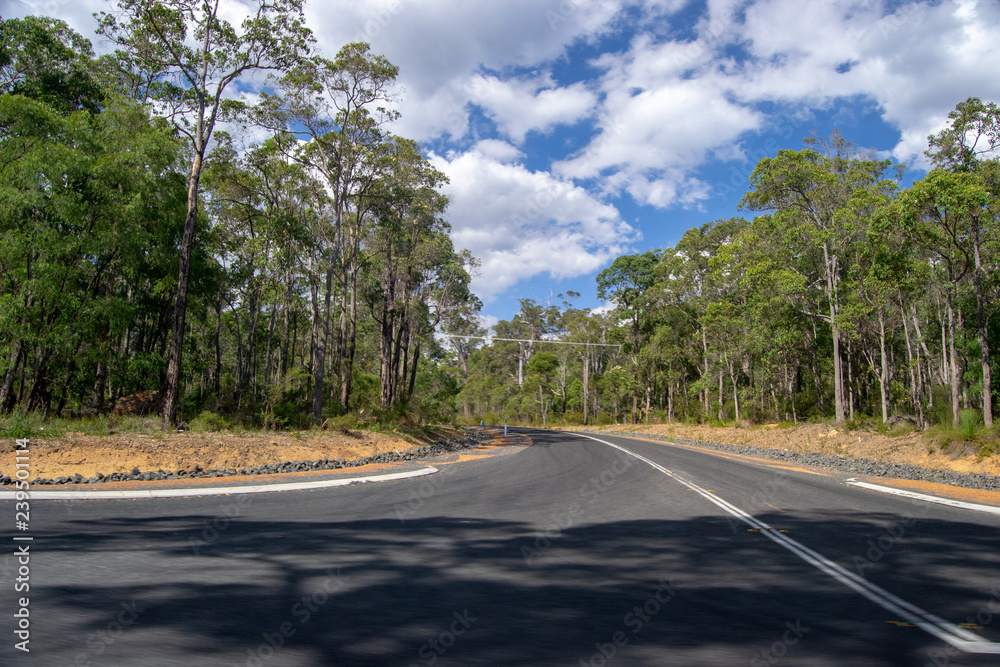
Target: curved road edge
(203, 491)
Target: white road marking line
(976, 507)
(132, 494)
(960, 638)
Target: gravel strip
(853, 466)
(472, 438)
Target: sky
(575, 131)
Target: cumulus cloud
(671, 105)
(443, 46)
(522, 223)
(915, 62)
(519, 106)
(656, 129)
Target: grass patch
(34, 425)
(900, 430)
(989, 442)
(969, 424)
(17, 425)
(209, 422)
(970, 429)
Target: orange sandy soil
(73, 453)
(913, 448)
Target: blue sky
(574, 131)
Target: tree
(44, 59)
(942, 213)
(194, 55)
(685, 283)
(971, 138)
(540, 370)
(625, 282)
(83, 205)
(415, 269)
(336, 107)
(256, 202)
(823, 200)
(969, 145)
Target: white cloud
(519, 106)
(442, 47)
(605, 308)
(658, 125)
(916, 63)
(522, 223)
(672, 106)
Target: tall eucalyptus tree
(194, 56)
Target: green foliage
(44, 59)
(209, 422)
(970, 423)
(844, 296)
(20, 425)
(989, 442)
(342, 423)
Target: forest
(285, 261)
(848, 298)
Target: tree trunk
(736, 395)
(541, 403)
(347, 368)
(7, 391)
(317, 357)
(850, 381)
(883, 379)
(984, 347)
(722, 398)
(173, 381)
(100, 386)
(267, 347)
(670, 402)
(915, 391)
(838, 369)
(520, 365)
(413, 371)
(705, 374)
(649, 392)
(955, 408)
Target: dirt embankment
(88, 455)
(912, 448)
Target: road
(569, 552)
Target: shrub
(18, 425)
(342, 423)
(969, 424)
(209, 421)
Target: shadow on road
(450, 591)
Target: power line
(529, 340)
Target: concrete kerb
(126, 494)
(913, 495)
(213, 486)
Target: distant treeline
(848, 297)
(302, 276)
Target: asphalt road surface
(572, 551)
